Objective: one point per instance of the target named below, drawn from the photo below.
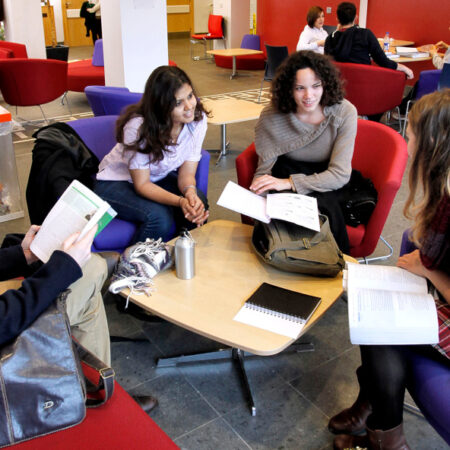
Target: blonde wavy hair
(429, 121)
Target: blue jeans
(154, 219)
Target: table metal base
(224, 145)
(237, 356)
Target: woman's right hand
(80, 251)
(193, 208)
(266, 183)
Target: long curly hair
(283, 83)
(429, 120)
(156, 106)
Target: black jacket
(357, 45)
(59, 157)
(19, 308)
(89, 18)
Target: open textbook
(78, 209)
(296, 208)
(389, 305)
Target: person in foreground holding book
(305, 138)
(73, 267)
(383, 374)
(149, 176)
(313, 36)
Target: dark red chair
(32, 82)
(118, 424)
(244, 62)
(18, 50)
(372, 89)
(380, 154)
(215, 31)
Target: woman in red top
(383, 374)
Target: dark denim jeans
(154, 219)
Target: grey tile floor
(202, 406)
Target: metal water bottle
(185, 255)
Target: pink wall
(279, 22)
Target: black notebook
(277, 309)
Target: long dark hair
(283, 83)
(155, 107)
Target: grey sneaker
(139, 264)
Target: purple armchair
(109, 100)
(429, 384)
(98, 133)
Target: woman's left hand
(412, 263)
(193, 208)
(268, 183)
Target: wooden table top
(234, 52)
(232, 110)
(397, 42)
(227, 273)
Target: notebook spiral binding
(270, 312)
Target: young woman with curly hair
(149, 175)
(305, 138)
(386, 370)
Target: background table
(230, 110)
(396, 42)
(234, 52)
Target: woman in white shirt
(149, 175)
(313, 36)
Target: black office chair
(329, 28)
(275, 56)
(444, 79)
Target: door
(74, 29)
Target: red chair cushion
(19, 50)
(82, 73)
(6, 53)
(245, 62)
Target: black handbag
(42, 385)
(293, 248)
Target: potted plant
(55, 51)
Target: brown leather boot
(393, 439)
(351, 420)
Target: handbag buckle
(107, 372)
(306, 243)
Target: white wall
(202, 10)
(236, 14)
(134, 41)
(23, 24)
(57, 11)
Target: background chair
(329, 28)
(429, 385)
(427, 83)
(109, 100)
(245, 62)
(215, 31)
(380, 154)
(444, 79)
(18, 50)
(98, 133)
(32, 82)
(372, 89)
(275, 56)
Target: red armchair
(32, 82)
(215, 31)
(380, 154)
(372, 89)
(18, 50)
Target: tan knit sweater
(333, 139)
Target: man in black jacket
(352, 44)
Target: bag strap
(106, 376)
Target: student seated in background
(305, 138)
(440, 59)
(149, 175)
(313, 36)
(352, 44)
(73, 267)
(383, 374)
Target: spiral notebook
(278, 310)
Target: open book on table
(296, 208)
(78, 209)
(389, 305)
(278, 310)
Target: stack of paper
(410, 52)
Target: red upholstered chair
(380, 154)
(244, 62)
(215, 31)
(118, 424)
(372, 89)
(32, 82)
(18, 50)
(6, 53)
